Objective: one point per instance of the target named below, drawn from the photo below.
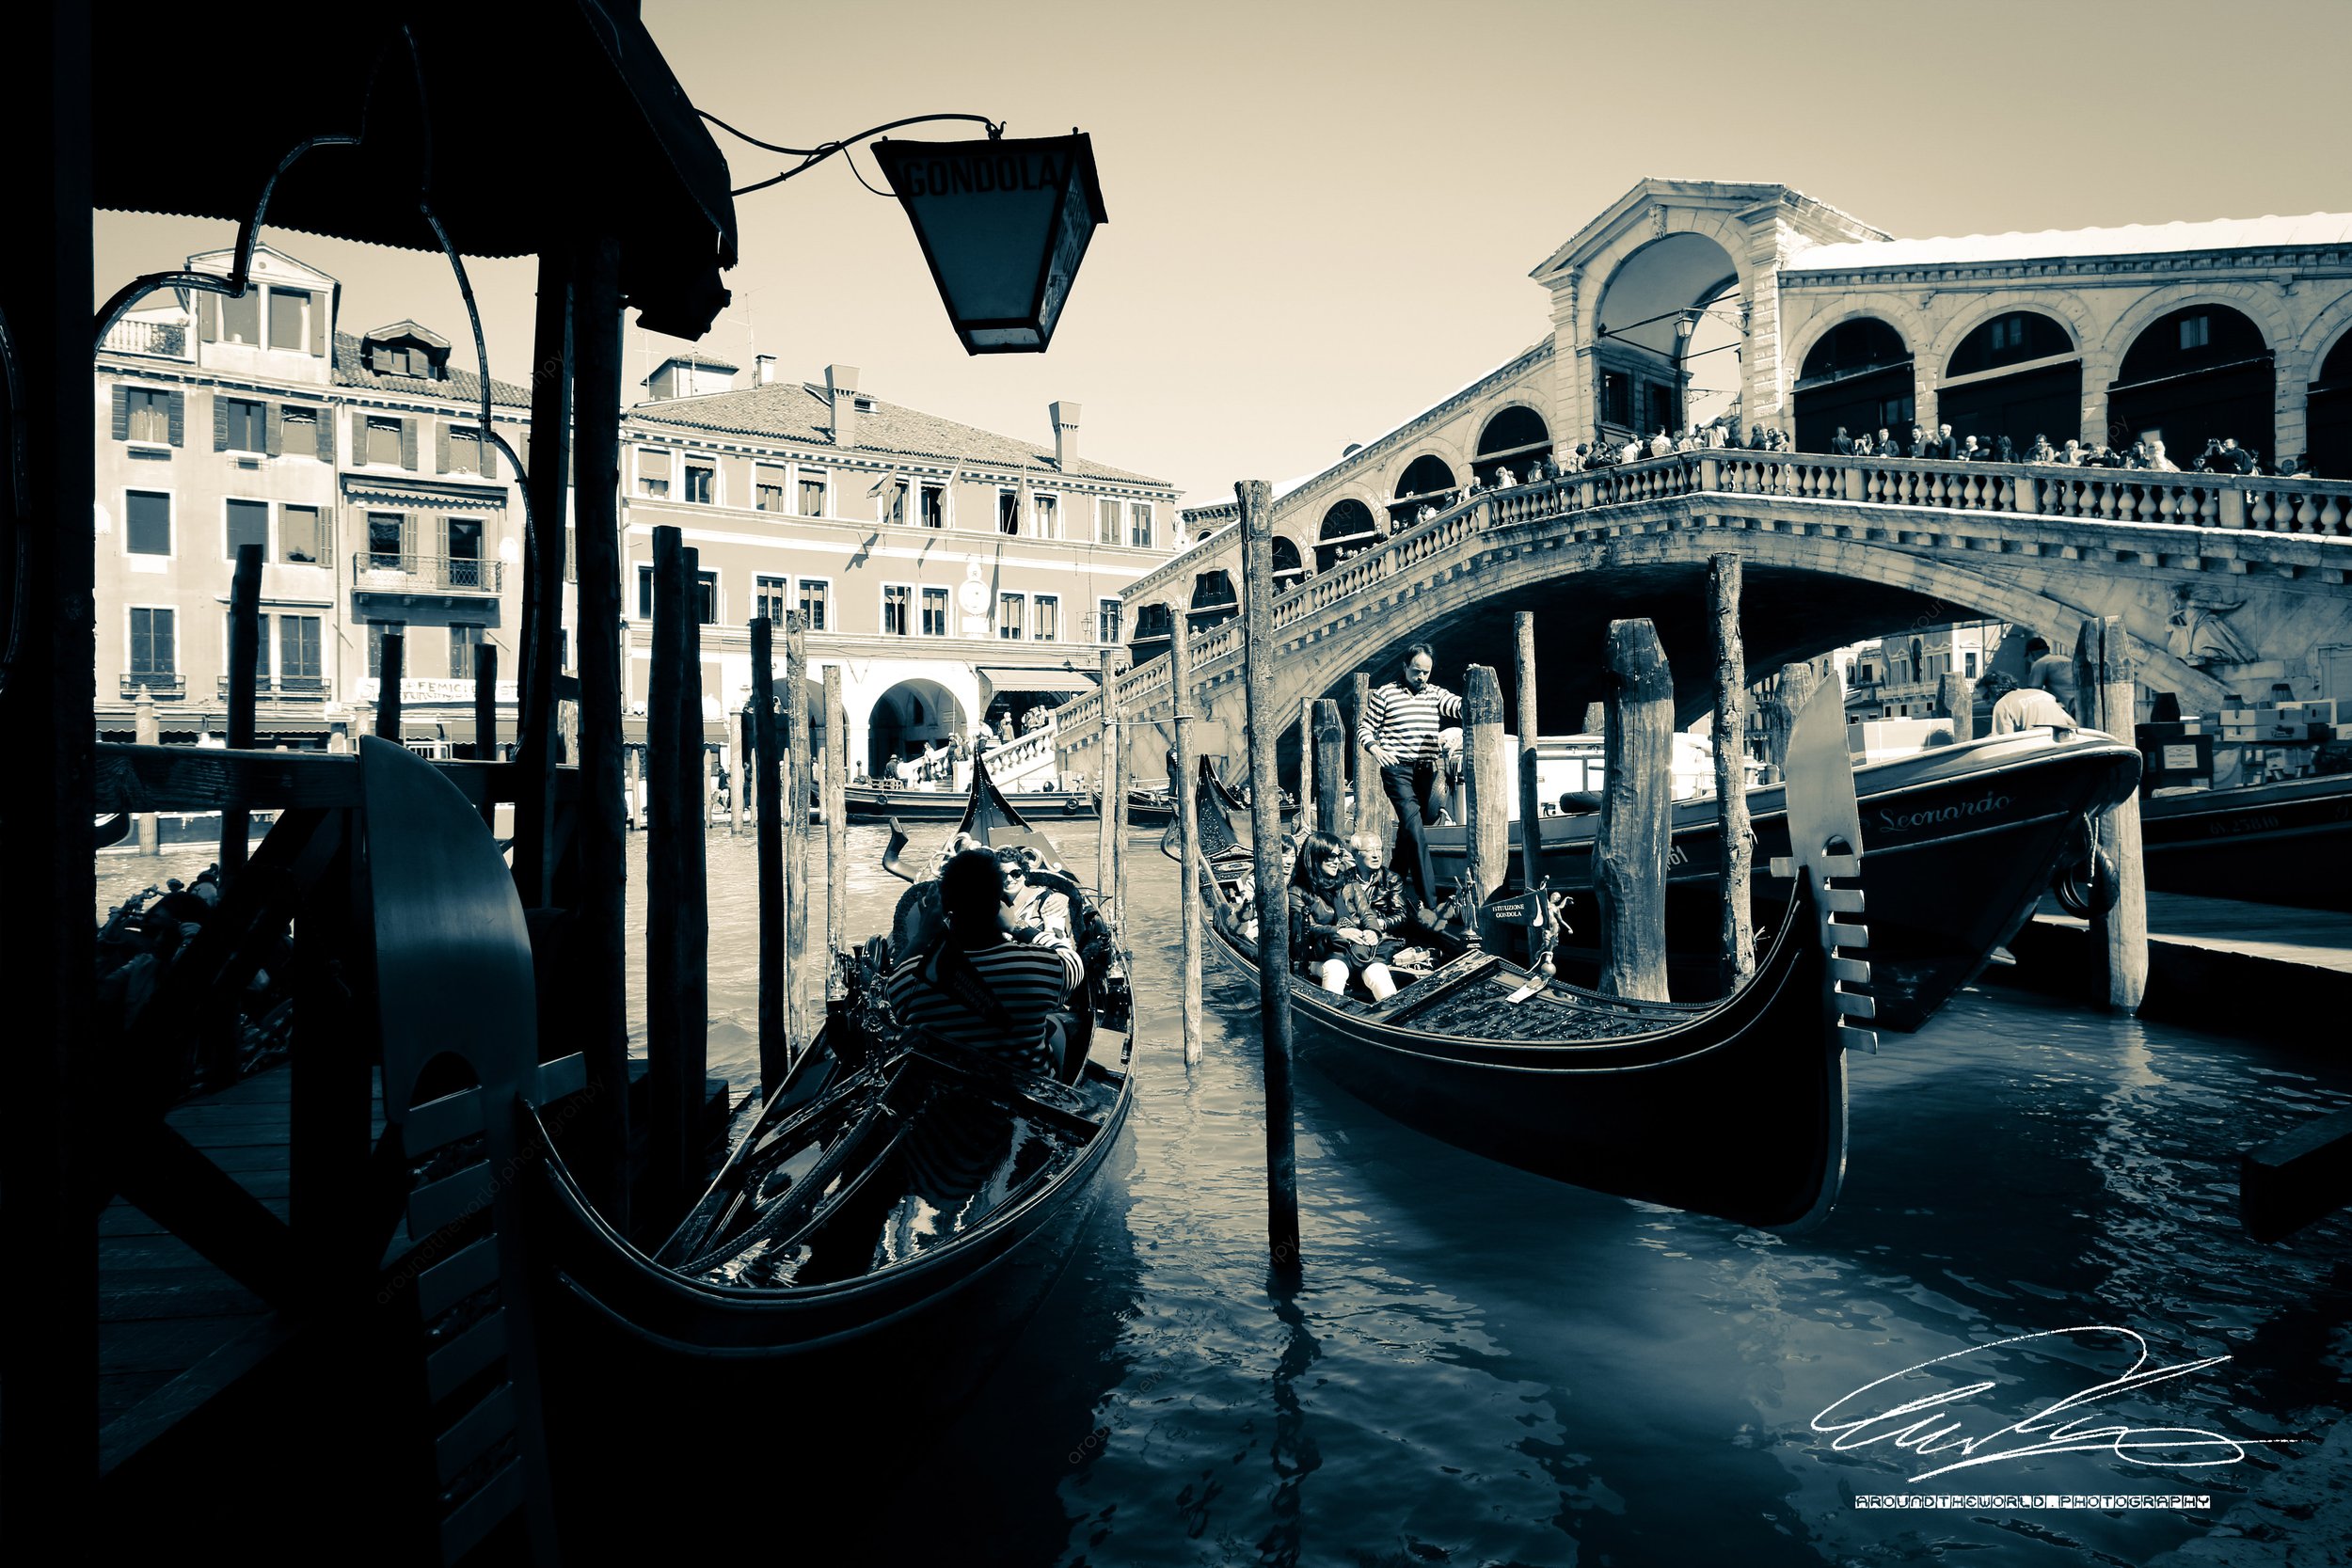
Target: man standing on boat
(976, 986)
(1400, 726)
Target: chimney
(763, 370)
(1065, 418)
(841, 388)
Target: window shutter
(220, 422)
(122, 413)
(273, 428)
(327, 436)
(489, 456)
(359, 436)
(408, 535)
(409, 443)
(179, 419)
(318, 320)
(208, 316)
(440, 445)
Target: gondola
(868, 801)
(1735, 1108)
(886, 1176)
(2287, 842)
(1964, 841)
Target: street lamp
(1004, 224)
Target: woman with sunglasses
(1331, 929)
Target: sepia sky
(1321, 216)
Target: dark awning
(535, 117)
(1039, 680)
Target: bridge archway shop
(912, 716)
(2018, 375)
(2202, 372)
(1514, 437)
(1347, 527)
(1426, 479)
(1857, 377)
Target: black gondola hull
(2287, 843)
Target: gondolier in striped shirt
(983, 985)
(1399, 726)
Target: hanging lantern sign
(1004, 224)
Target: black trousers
(1412, 791)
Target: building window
(1045, 516)
(768, 488)
(812, 492)
(934, 612)
(241, 318)
(2196, 331)
(150, 416)
(1896, 413)
(1140, 524)
(249, 524)
(1662, 406)
(706, 597)
(1617, 399)
(244, 426)
(653, 474)
(153, 653)
(701, 484)
(289, 319)
(465, 452)
(301, 536)
(384, 442)
(1106, 521)
(377, 631)
(146, 523)
(934, 506)
(768, 600)
(1049, 617)
(1007, 512)
(386, 534)
(894, 505)
(897, 602)
(463, 537)
(261, 649)
(1011, 611)
(644, 592)
(298, 431)
(1106, 620)
(1971, 657)
(464, 642)
(299, 653)
(813, 594)
(2008, 334)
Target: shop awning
(1038, 680)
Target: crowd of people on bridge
(2222, 454)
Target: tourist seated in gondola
(1405, 928)
(1331, 938)
(1037, 906)
(977, 986)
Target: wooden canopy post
(1956, 700)
(797, 773)
(836, 837)
(2108, 694)
(1330, 767)
(1187, 840)
(245, 657)
(148, 731)
(1636, 815)
(1373, 813)
(1259, 655)
(388, 687)
(598, 948)
(1596, 719)
(1790, 694)
(1530, 788)
(1731, 770)
(1310, 818)
(774, 1052)
(1114, 783)
(1486, 834)
(546, 488)
(676, 927)
(486, 722)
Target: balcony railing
(424, 574)
(163, 339)
(163, 685)
(287, 689)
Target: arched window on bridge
(2017, 375)
(1427, 480)
(1669, 324)
(2330, 439)
(2197, 375)
(1516, 438)
(1213, 600)
(1153, 632)
(1858, 377)
(1288, 568)
(1347, 527)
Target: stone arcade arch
(2018, 375)
(909, 716)
(1514, 437)
(1642, 361)
(1288, 566)
(1346, 528)
(1424, 479)
(1858, 377)
(2200, 372)
(1213, 600)
(2328, 437)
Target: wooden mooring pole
(799, 775)
(387, 687)
(485, 721)
(1259, 655)
(836, 837)
(1530, 790)
(245, 660)
(148, 730)
(2107, 693)
(1330, 768)
(1486, 807)
(739, 774)
(1187, 837)
(548, 490)
(1789, 695)
(1731, 770)
(1373, 813)
(1636, 815)
(676, 927)
(1310, 815)
(1114, 782)
(1956, 700)
(775, 1054)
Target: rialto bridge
(1834, 550)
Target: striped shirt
(1029, 983)
(1400, 726)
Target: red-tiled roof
(461, 386)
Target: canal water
(1485, 1368)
